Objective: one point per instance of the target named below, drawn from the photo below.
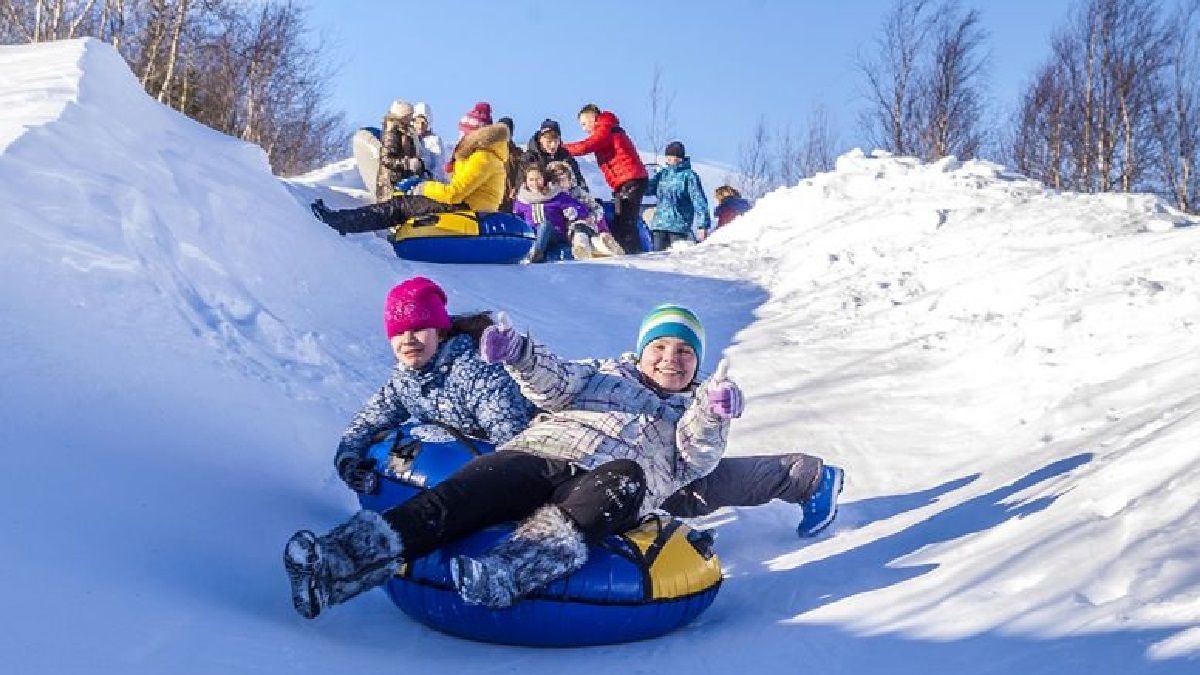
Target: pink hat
(479, 116)
(416, 304)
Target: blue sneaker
(819, 510)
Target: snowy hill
(1008, 375)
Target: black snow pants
(510, 485)
(385, 214)
(627, 205)
(662, 240)
(748, 481)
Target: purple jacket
(557, 208)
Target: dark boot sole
(301, 556)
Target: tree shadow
(869, 567)
(874, 509)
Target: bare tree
(925, 81)
(1177, 117)
(892, 75)
(788, 166)
(662, 120)
(818, 152)
(949, 94)
(754, 163)
(181, 11)
(1039, 142)
(1091, 120)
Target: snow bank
(1007, 373)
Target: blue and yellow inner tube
(464, 237)
(637, 585)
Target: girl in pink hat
(438, 377)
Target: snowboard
(365, 145)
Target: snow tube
(637, 585)
(464, 237)
(414, 457)
(610, 214)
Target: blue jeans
(547, 236)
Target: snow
(1007, 374)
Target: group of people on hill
(542, 183)
(585, 449)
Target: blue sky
(727, 63)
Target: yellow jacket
(478, 178)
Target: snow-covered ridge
(1007, 373)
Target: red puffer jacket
(614, 150)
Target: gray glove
(357, 473)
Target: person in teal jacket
(680, 201)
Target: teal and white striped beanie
(674, 321)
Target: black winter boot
(545, 547)
(355, 556)
(378, 216)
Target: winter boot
(546, 547)
(606, 245)
(581, 241)
(378, 216)
(581, 246)
(355, 556)
(819, 510)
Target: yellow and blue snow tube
(637, 585)
(464, 237)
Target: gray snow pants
(748, 481)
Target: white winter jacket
(597, 411)
(430, 149)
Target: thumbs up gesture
(500, 343)
(724, 397)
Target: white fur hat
(400, 109)
(422, 109)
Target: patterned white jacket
(597, 411)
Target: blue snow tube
(610, 215)
(641, 584)
(464, 237)
(637, 585)
(414, 457)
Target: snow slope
(1007, 373)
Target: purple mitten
(725, 400)
(500, 343)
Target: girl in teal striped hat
(797, 478)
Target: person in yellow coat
(476, 184)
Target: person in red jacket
(622, 168)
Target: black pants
(511, 485)
(662, 240)
(390, 213)
(627, 204)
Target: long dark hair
(471, 325)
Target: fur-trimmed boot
(378, 216)
(605, 245)
(581, 241)
(356, 556)
(545, 547)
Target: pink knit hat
(478, 117)
(413, 305)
